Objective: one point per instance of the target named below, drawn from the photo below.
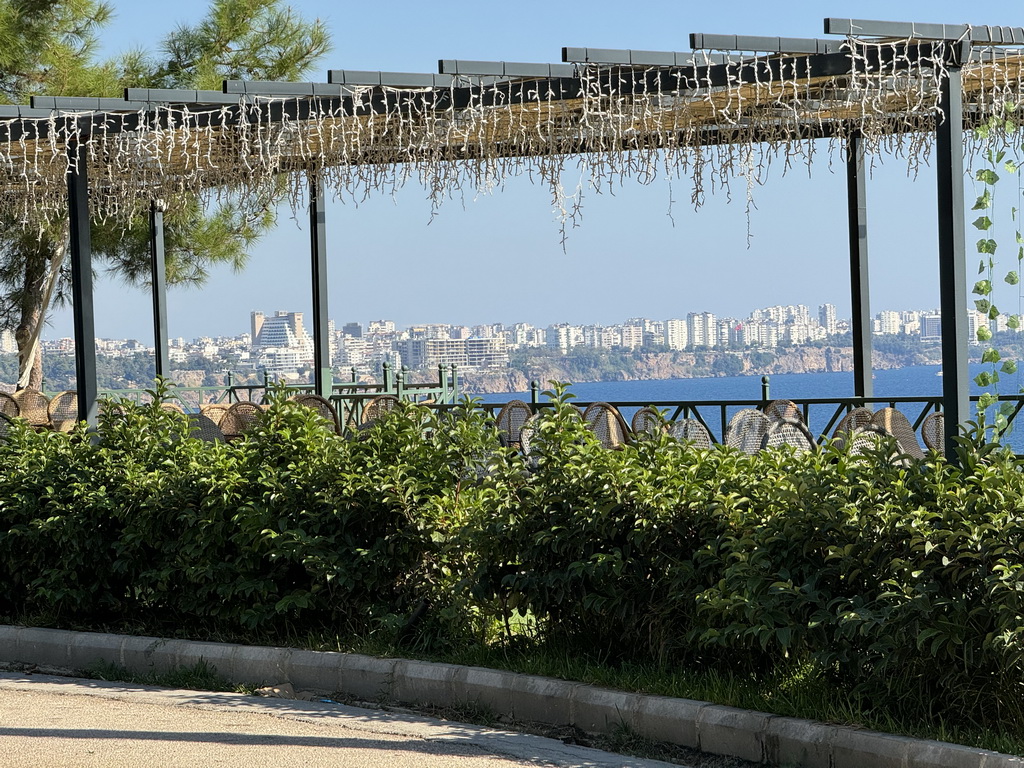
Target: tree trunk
(41, 259)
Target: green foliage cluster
(901, 583)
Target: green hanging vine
(1004, 128)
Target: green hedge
(902, 583)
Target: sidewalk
(57, 721)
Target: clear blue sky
(498, 258)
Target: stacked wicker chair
(893, 422)
(783, 410)
(239, 419)
(690, 431)
(33, 407)
(933, 432)
(647, 421)
(62, 412)
(852, 423)
(322, 406)
(747, 430)
(8, 405)
(789, 431)
(510, 420)
(376, 407)
(214, 412)
(607, 424)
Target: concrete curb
(711, 728)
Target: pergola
(730, 106)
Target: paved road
(63, 721)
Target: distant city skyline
(639, 249)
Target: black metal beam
(178, 96)
(699, 41)
(504, 69)
(629, 58)
(323, 376)
(983, 35)
(392, 79)
(158, 282)
(282, 89)
(81, 285)
(860, 298)
(949, 163)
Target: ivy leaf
(1011, 167)
(987, 246)
(984, 334)
(981, 266)
(983, 222)
(1012, 278)
(1013, 322)
(982, 305)
(1008, 366)
(1020, 239)
(983, 379)
(983, 287)
(983, 202)
(993, 312)
(987, 176)
(991, 355)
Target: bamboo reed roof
(708, 115)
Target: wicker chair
(933, 432)
(526, 437)
(893, 422)
(171, 407)
(214, 412)
(856, 419)
(867, 439)
(240, 418)
(607, 424)
(647, 421)
(322, 406)
(205, 428)
(8, 405)
(510, 420)
(62, 412)
(746, 430)
(783, 410)
(377, 407)
(33, 407)
(792, 432)
(690, 431)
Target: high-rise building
(889, 322)
(676, 334)
(355, 330)
(931, 326)
(702, 329)
(827, 318)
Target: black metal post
(860, 299)
(949, 163)
(158, 278)
(323, 378)
(81, 284)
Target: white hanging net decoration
(709, 123)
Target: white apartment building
(889, 322)
(702, 329)
(677, 336)
(827, 318)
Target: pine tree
(49, 47)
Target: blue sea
(914, 381)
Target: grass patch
(201, 676)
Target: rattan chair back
(171, 407)
(792, 432)
(783, 410)
(607, 424)
(33, 407)
(240, 418)
(856, 419)
(214, 411)
(62, 411)
(8, 405)
(510, 420)
(647, 421)
(322, 406)
(205, 428)
(377, 407)
(746, 430)
(690, 431)
(933, 432)
(893, 422)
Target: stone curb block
(716, 729)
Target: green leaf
(993, 312)
(1011, 166)
(984, 334)
(991, 355)
(987, 399)
(982, 222)
(984, 201)
(983, 379)
(982, 305)
(1013, 322)
(1008, 366)
(1012, 278)
(987, 176)
(987, 246)
(983, 287)
(981, 267)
